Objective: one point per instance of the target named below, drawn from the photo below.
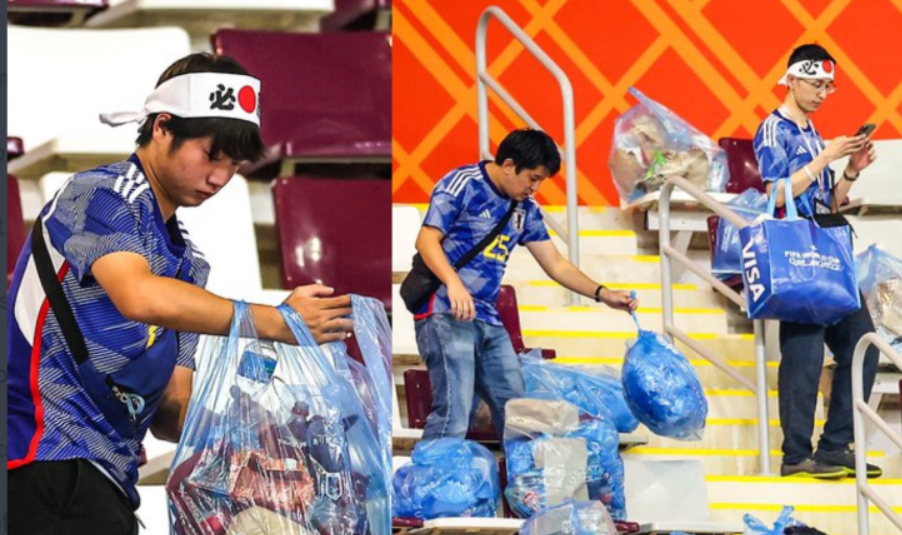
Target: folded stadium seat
(14, 148)
(201, 18)
(742, 164)
(15, 238)
(510, 318)
(335, 232)
(339, 114)
(54, 13)
(56, 91)
(359, 15)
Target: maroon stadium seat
(16, 234)
(14, 148)
(52, 12)
(328, 100)
(742, 165)
(510, 318)
(335, 232)
(356, 15)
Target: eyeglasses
(828, 87)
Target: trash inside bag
(754, 526)
(662, 389)
(571, 518)
(447, 477)
(594, 390)
(880, 280)
(727, 258)
(554, 454)
(276, 439)
(652, 144)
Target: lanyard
(820, 178)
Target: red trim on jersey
(35, 392)
(428, 310)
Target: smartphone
(866, 129)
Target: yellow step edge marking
(616, 335)
(605, 310)
(793, 480)
(622, 285)
(652, 259)
(602, 233)
(557, 208)
(749, 421)
(619, 360)
(646, 450)
(801, 508)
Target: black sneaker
(845, 459)
(812, 468)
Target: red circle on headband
(248, 99)
(828, 66)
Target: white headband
(809, 69)
(197, 95)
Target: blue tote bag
(796, 271)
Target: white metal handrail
(483, 79)
(860, 410)
(669, 254)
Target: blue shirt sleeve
(448, 199)
(97, 221)
(771, 151)
(534, 226)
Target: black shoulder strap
(471, 254)
(53, 288)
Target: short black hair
(529, 149)
(236, 139)
(810, 52)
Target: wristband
(811, 177)
(598, 293)
(850, 179)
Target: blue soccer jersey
(466, 206)
(782, 148)
(60, 409)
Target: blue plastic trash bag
(727, 258)
(795, 271)
(880, 279)
(554, 454)
(594, 390)
(753, 526)
(652, 144)
(447, 477)
(571, 518)
(276, 439)
(662, 389)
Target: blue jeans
(463, 358)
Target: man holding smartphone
(787, 146)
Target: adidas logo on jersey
(801, 150)
(486, 214)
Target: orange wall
(714, 62)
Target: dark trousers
(800, 371)
(67, 498)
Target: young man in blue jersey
(107, 303)
(459, 332)
(788, 146)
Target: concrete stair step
(609, 267)
(591, 344)
(598, 317)
(546, 292)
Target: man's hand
(860, 160)
(618, 300)
(323, 315)
(462, 306)
(843, 146)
